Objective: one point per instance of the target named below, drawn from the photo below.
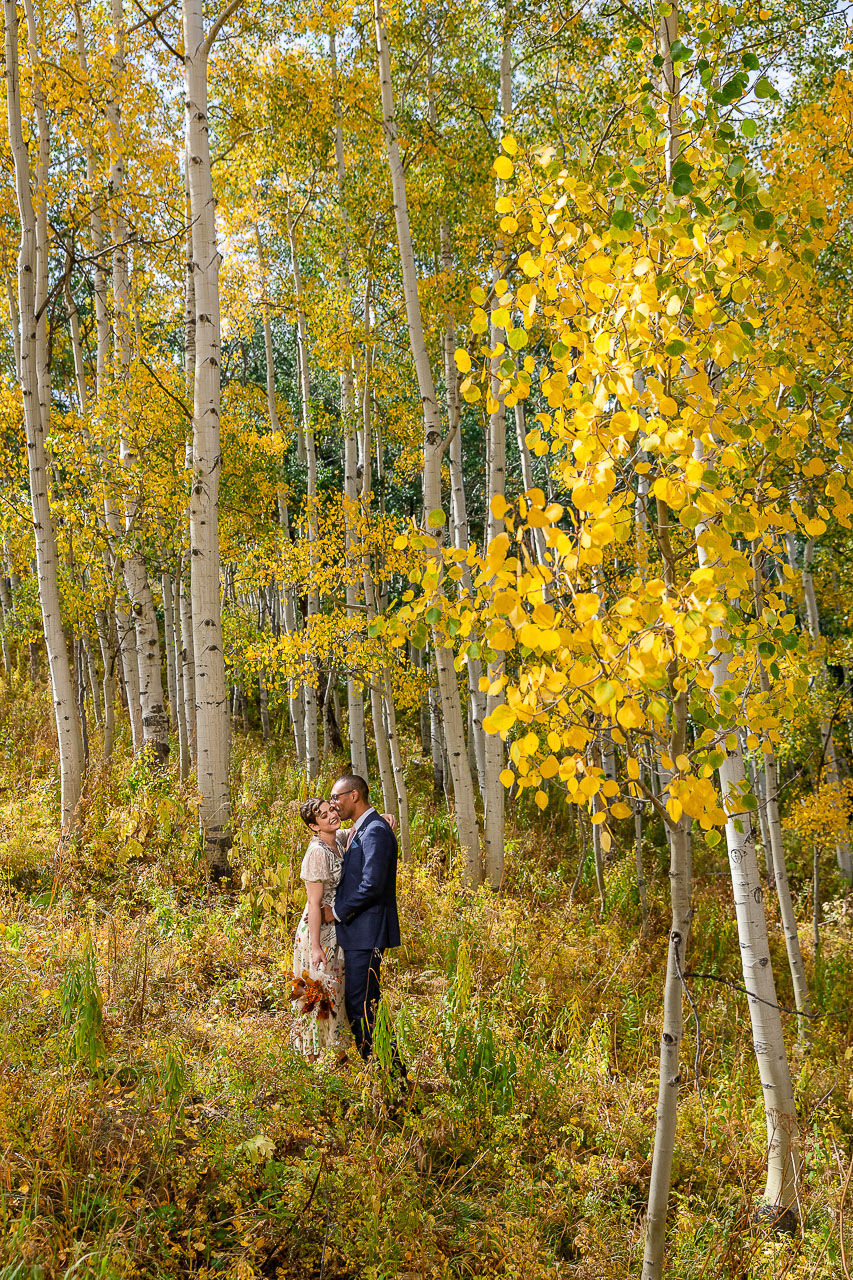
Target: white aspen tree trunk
(399, 771)
(778, 862)
(130, 672)
(212, 727)
(679, 853)
(6, 607)
(638, 862)
(459, 531)
(463, 788)
(108, 660)
(296, 689)
(155, 722)
(843, 852)
(92, 672)
(673, 1023)
(101, 305)
(169, 643)
(780, 1195)
(184, 762)
(187, 663)
(670, 1048)
(76, 349)
(14, 324)
(312, 751)
(33, 284)
(355, 693)
(459, 515)
(493, 793)
(383, 755)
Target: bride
(319, 1003)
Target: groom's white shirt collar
(359, 822)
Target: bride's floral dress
(312, 1032)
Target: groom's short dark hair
(352, 782)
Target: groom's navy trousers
(366, 910)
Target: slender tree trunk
(383, 755)
(436, 744)
(169, 643)
(399, 771)
(92, 673)
(312, 753)
(777, 848)
(782, 1131)
(780, 1196)
(33, 284)
(638, 861)
(355, 692)
(108, 660)
(173, 638)
(670, 1046)
(263, 701)
(155, 722)
(466, 818)
(130, 671)
(459, 514)
(187, 665)
(212, 728)
(6, 607)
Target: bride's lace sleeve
(316, 865)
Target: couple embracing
(350, 917)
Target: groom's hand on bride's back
(326, 913)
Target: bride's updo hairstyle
(309, 810)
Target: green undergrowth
(154, 1121)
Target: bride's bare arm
(314, 891)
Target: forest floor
(182, 1137)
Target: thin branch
(152, 19)
(207, 43)
(178, 401)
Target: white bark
(184, 761)
(187, 661)
(463, 789)
(309, 692)
(768, 1040)
(355, 692)
(212, 726)
(493, 759)
(130, 672)
(108, 660)
(679, 850)
(33, 285)
(670, 1047)
(155, 722)
(782, 1131)
(459, 515)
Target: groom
(365, 910)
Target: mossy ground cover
(154, 1121)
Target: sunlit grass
(191, 1141)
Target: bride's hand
(318, 957)
(391, 820)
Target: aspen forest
(459, 397)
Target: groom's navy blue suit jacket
(366, 897)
